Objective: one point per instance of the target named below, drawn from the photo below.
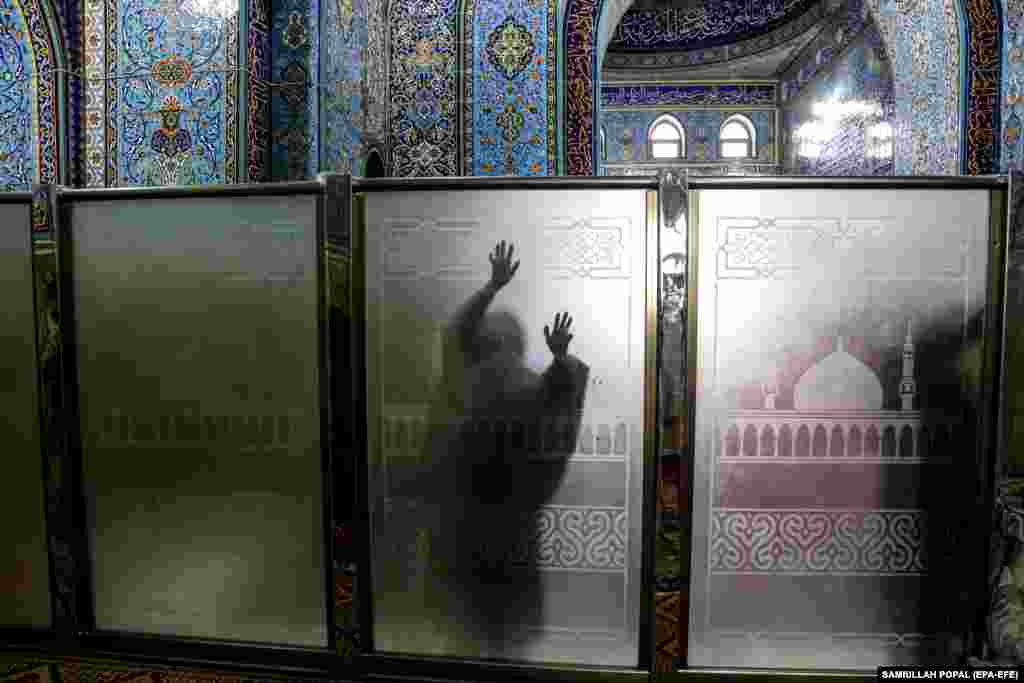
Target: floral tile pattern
(345, 37)
(1013, 86)
(28, 100)
(159, 111)
(424, 121)
(509, 88)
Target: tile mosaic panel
(345, 39)
(854, 136)
(708, 24)
(375, 70)
(984, 73)
(424, 89)
(626, 133)
(582, 79)
(295, 39)
(94, 146)
(688, 95)
(509, 85)
(258, 92)
(160, 101)
(18, 160)
(28, 114)
(69, 55)
(1013, 87)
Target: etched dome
(838, 382)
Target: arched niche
(971, 107)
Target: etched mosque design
(837, 412)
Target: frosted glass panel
(836, 330)
(198, 341)
(24, 573)
(505, 485)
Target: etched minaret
(908, 386)
(770, 390)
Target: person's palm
(502, 268)
(559, 338)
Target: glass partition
(197, 330)
(841, 344)
(24, 570)
(507, 382)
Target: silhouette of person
(499, 443)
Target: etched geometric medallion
(510, 47)
(172, 71)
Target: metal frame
(49, 445)
(81, 635)
(71, 638)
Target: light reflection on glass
(831, 115)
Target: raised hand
(559, 338)
(502, 268)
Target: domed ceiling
(710, 38)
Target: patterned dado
(509, 80)
(28, 100)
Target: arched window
(604, 144)
(666, 138)
(736, 138)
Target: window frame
(680, 141)
(750, 141)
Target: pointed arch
(785, 441)
(666, 138)
(980, 48)
(737, 138)
(374, 166)
(750, 441)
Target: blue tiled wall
(626, 133)
(859, 85)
